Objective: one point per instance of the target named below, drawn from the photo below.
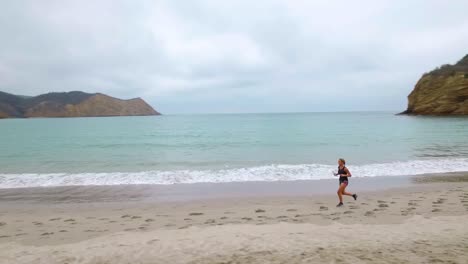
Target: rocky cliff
(443, 91)
(71, 104)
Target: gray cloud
(239, 56)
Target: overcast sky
(231, 56)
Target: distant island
(443, 91)
(71, 104)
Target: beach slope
(423, 223)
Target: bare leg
(340, 192)
(340, 196)
(347, 193)
(343, 192)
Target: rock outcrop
(443, 91)
(71, 104)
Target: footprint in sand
(336, 218)
(281, 217)
(196, 214)
(369, 213)
(2, 224)
(149, 220)
(136, 217)
(406, 211)
(246, 218)
(348, 212)
(354, 207)
(259, 211)
(55, 219)
(323, 208)
(126, 216)
(69, 220)
(382, 205)
(225, 217)
(291, 210)
(436, 210)
(439, 201)
(37, 223)
(63, 231)
(47, 233)
(152, 241)
(210, 221)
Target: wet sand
(406, 220)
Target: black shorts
(345, 182)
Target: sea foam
(274, 172)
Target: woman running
(344, 173)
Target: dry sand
(424, 223)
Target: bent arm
(348, 173)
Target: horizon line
(286, 112)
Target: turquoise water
(226, 147)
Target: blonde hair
(342, 160)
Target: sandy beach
(422, 220)
(233, 132)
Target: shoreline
(410, 223)
(204, 191)
(194, 191)
(219, 174)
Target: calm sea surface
(226, 147)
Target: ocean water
(226, 147)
